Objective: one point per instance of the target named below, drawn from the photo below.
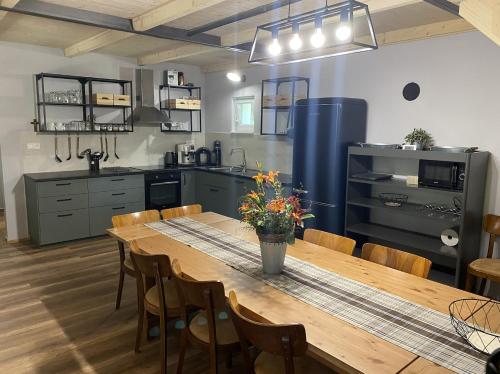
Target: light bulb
(317, 39)
(343, 32)
(274, 48)
(295, 42)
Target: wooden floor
(57, 314)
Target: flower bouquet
(273, 216)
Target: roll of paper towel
(450, 236)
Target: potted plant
(420, 138)
(274, 218)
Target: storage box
(194, 104)
(176, 104)
(268, 101)
(103, 99)
(121, 100)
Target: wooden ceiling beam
(484, 15)
(8, 4)
(170, 11)
(95, 42)
(174, 54)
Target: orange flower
(244, 207)
(259, 178)
(253, 195)
(276, 206)
(272, 175)
(297, 217)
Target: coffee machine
(185, 154)
(93, 159)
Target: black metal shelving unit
(277, 82)
(414, 227)
(86, 85)
(167, 88)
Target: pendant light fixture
(333, 30)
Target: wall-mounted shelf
(167, 92)
(416, 226)
(278, 119)
(84, 86)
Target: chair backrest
(287, 341)
(201, 294)
(181, 211)
(492, 227)
(396, 259)
(136, 218)
(327, 239)
(152, 266)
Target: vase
(272, 252)
(418, 146)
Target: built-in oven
(163, 189)
(441, 174)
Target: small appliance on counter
(185, 154)
(217, 153)
(93, 159)
(170, 160)
(203, 157)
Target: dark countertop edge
(76, 174)
(285, 179)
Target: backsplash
(274, 152)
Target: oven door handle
(165, 183)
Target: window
(243, 118)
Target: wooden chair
(329, 240)
(160, 299)
(396, 259)
(181, 211)
(211, 329)
(486, 268)
(126, 266)
(283, 346)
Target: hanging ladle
(116, 155)
(106, 142)
(69, 148)
(80, 156)
(56, 149)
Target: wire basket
(393, 199)
(478, 322)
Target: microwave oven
(441, 174)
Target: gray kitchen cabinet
(188, 187)
(238, 188)
(68, 209)
(57, 210)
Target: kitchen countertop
(286, 179)
(79, 174)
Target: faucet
(243, 165)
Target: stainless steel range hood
(145, 112)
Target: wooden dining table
(334, 342)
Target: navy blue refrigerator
(323, 130)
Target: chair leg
(163, 345)
(229, 359)
(482, 286)
(120, 289)
(182, 350)
(469, 282)
(140, 326)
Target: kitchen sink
(219, 168)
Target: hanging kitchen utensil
(69, 148)
(114, 147)
(102, 147)
(80, 156)
(106, 142)
(56, 149)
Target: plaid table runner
(415, 328)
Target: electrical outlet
(33, 145)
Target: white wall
(459, 102)
(18, 63)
